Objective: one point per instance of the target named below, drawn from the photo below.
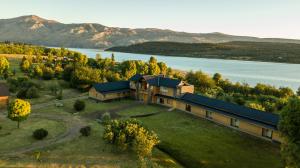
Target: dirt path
(73, 125)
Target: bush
(105, 118)
(40, 134)
(130, 133)
(32, 92)
(22, 94)
(85, 131)
(79, 105)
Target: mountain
(35, 30)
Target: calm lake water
(277, 74)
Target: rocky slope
(36, 30)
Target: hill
(35, 30)
(238, 50)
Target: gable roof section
(4, 91)
(136, 77)
(265, 119)
(110, 87)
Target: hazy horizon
(265, 19)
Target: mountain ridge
(36, 30)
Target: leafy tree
(153, 67)
(298, 92)
(217, 78)
(48, 73)
(25, 65)
(130, 133)
(38, 71)
(256, 106)
(84, 77)
(128, 69)
(142, 67)
(201, 80)
(80, 59)
(19, 110)
(67, 73)
(4, 65)
(163, 68)
(289, 128)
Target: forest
(237, 50)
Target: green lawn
(197, 142)
(82, 151)
(11, 137)
(141, 110)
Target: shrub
(131, 134)
(32, 92)
(22, 93)
(85, 131)
(79, 105)
(40, 134)
(105, 118)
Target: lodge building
(180, 95)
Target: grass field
(11, 137)
(82, 151)
(199, 143)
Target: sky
(260, 18)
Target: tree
(163, 68)
(289, 128)
(128, 69)
(38, 71)
(25, 65)
(19, 110)
(83, 77)
(80, 59)
(130, 133)
(48, 73)
(298, 92)
(4, 65)
(153, 67)
(202, 81)
(256, 106)
(217, 78)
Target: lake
(251, 72)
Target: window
(163, 89)
(169, 101)
(161, 101)
(208, 114)
(235, 122)
(188, 107)
(267, 133)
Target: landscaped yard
(200, 143)
(81, 151)
(12, 138)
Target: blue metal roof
(266, 119)
(110, 87)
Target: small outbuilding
(110, 91)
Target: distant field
(238, 50)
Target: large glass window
(235, 122)
(267, 133)
(163, 89)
